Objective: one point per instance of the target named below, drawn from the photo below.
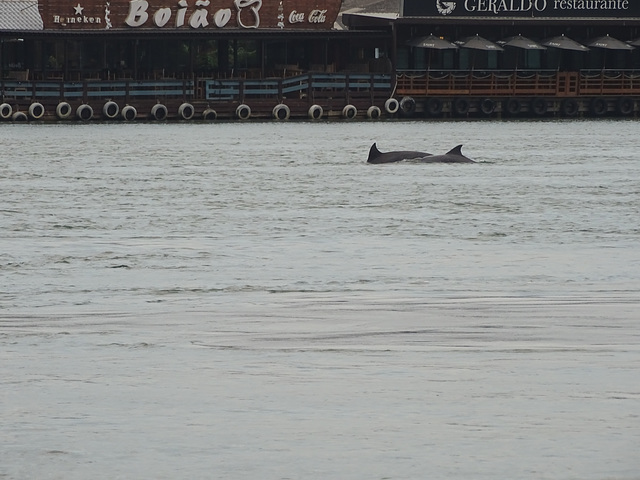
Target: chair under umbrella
(610, 43)
(565, 43)
(521, 42)
(431, 41)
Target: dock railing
(95, 89)
(307, 85)
(518, 83)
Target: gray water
(243, 301)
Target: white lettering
(182, 12)
(295, 17)
(510, 6)
(199, 17)
(248, 13)
(590, 4)
(83, 19)
(318, 16)
(254, 8)
(162, 17)
(137, 13)
(222, 17)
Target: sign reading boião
(189, 14)
(520, 8)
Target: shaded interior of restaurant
(114, 56)
(169, 56)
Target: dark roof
(20, 15)
(384, 8)
(371, 6)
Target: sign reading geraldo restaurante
(188, 14)
(522, 8)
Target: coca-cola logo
(318, 16)
(315, 16)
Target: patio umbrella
(565, 43)
(478, 43)
(610, 43)
(521, 42)
(635, 43)
(432, 41)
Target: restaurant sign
(522, 8)
(189, 14)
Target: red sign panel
(189, 14)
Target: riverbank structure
(281, 59)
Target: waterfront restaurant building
(217, 59)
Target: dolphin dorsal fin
(455, 151)
(374, 152)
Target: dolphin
(452, 156)
(376, 156)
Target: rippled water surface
(252, 300)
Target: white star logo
(78, 9)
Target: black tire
(408, 106)
(487, 106)
(569, 107)
(598, 106)
(539, 106)
(625, 106)
(461, 107)
(434, 106)
(513, 106)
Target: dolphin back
(452, 156)
(376, 156)
(457, 150)
(373, 153)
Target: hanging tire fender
(539, 106)
(210, 115)
(159, 112)
(84, 112)
(598, 106)
(110, 110)
(36, 110)
(625, 105)
(129, 113)
(569, 107)
(63, 110)
(434, 106)
(461, 106)
(186, 111)
(19, 117)
(487, 106)
(315, 112)
(407, 106)
(6, 111)
(349, 112)
(512, 106)
(391, 106)
(281, 112)
(373, 112)
(243, 112)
